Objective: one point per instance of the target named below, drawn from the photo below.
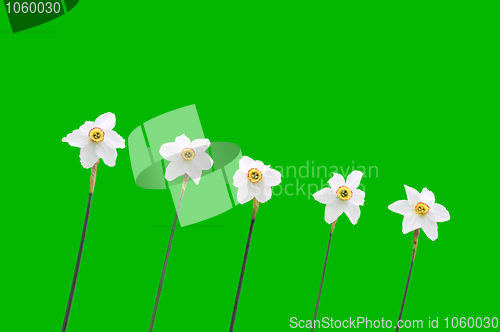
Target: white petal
(271, 177)
(411, 222)
(242, 193)
(106, 122)
(402, 207)
(427, 196)
(88, 157)
(325, 195)
(87, 127)
(175, 169)
(337, 181)
(358, 197)
(429, 227)
(194, 171)
(171, 151)
(107, 152)
(354, 179)
(240, 178)
(116, 140)
(203, 160)
(438, 213)
(263, 193)
(413, 195)
(245, 163)
(259, 165)
(353, 212)
(183, 141)
(246, 193)
(200, 145)
(334, 210)
(77, 138)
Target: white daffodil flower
(186, 157)
(97, 140)
(420, 210)
(254, 179)
(343, 196)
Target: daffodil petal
(87, 127)
(77, 138)
(196, 180)
(429, 227)
(171, 151)
(260, 166)
(413, 195)
(183, 141)
(107, 152)
(354, 179)
(200, 145)
(239, 179)
(194, 171)
(263, 193)
(116, 140)
(242, 192)
(337, 181)
(402, 207)
(352, 211)
(88, 156)
(325, 195)
(427, 196)
(271, 177)
(410, 222)
(438, 213)
(175, 169)
(203, 160)
(106, 122)
(358, 197)
(245, 163)
(246, 193)
(334, 210)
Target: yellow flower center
(254, 175)
(422, 208)
(344, 193)
(96, 134)
(187, 154)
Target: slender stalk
(93, 173)
(415, 244)
(151, 324)
(323, 275)
(235, 309)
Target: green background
(411, 88)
